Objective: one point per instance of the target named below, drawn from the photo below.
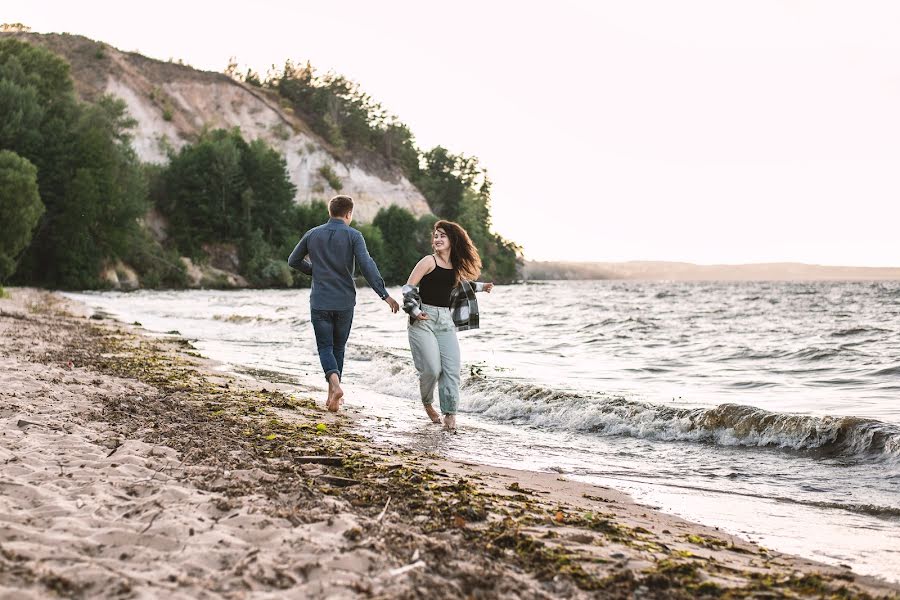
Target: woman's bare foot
(450, 422)
(335, 393)
(433, 414)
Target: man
(334, 249)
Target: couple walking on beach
(439, 298)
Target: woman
(440, 299)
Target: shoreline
(131, 467)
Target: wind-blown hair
(464, 256)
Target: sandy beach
(132, 469)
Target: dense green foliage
(455, 186)
(445, 178)
(339, 111)
(225, 191)
(458, 189)
(399, 227)
(20, 208)
(88, 176)
(75, 197)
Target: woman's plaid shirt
(463, 305)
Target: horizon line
(786, 263)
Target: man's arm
(370, 270)
(297, 259)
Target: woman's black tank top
(435, 287)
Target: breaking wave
(726, 424)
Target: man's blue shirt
(334, 249)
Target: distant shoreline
(680, 271)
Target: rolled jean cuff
(328, 374)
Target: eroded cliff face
(173, 103)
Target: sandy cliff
(172, 103)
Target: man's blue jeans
(332, 329)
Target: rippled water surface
(771, 410)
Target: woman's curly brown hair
(464, 256)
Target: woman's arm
(480, 286)
(422, 268)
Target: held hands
(422, 316)
(393, 304)
(488, 287)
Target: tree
(338, 110)
(444, 179)
(204, 193)
(222, 190)
(22, 113)
(374, 242)
(87, 173)
(20, 209)
(93, 217)
(38, 105)
(268, 180)
(398, 146)
(399, 229)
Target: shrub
(276, 273)
(280, 131)
(20, 208)
(331, 177)
(157, 267)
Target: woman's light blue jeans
(435, 352)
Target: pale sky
(708, 132)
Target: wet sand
(130, 468)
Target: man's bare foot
(335, 393)
(450, 422)
(433, 414)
